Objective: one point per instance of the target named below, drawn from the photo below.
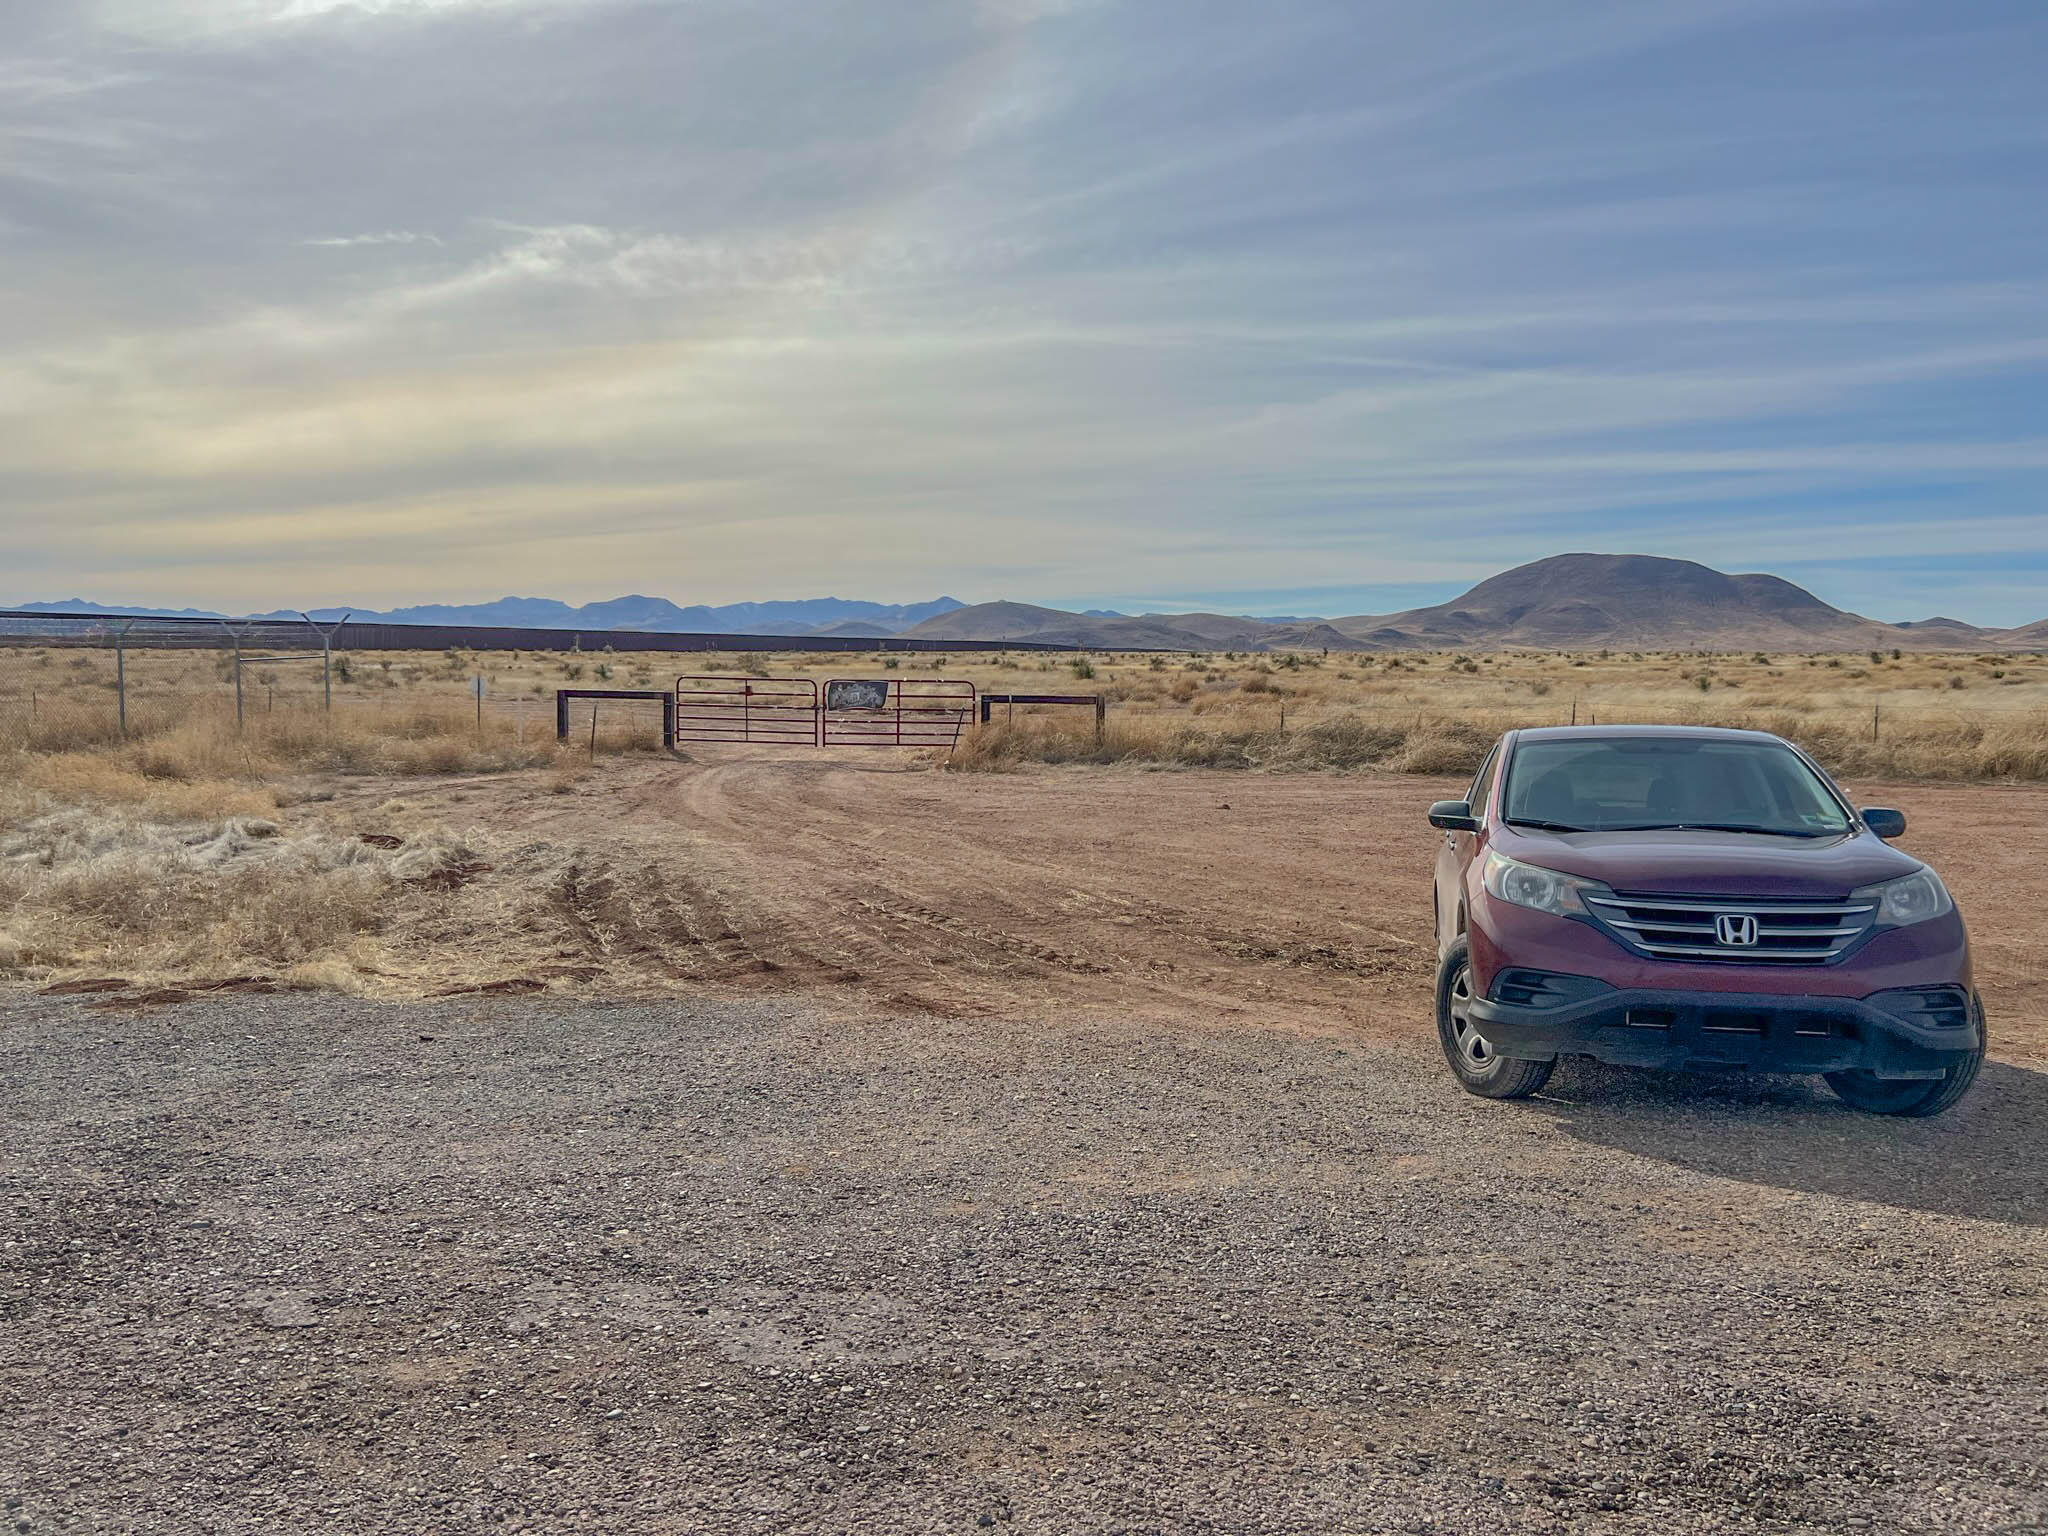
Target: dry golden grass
(192, 848)
(1422, 742)
(90, 886)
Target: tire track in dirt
(889, 879)
(1301, 900)
(943, 892)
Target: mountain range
(804, 616)
(1565, 602)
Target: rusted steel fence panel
(769, 711)
(845, 712)
(895, 712)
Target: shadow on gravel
(1988, 1157)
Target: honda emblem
(1736, 928)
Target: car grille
(1687, 927)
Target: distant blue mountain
(797, 617)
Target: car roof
(1638, 732)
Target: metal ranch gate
(845, 712)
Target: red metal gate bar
(906, 712)
(770, 711)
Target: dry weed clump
(1339, 743)
(196, 746)
(137, 780)
(1962, 750)
(114, 888)
(1955, 750)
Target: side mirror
(1454, 816)
(1885, 823)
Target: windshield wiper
(1543, 826)
(1716, 826)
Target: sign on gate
(851, 693)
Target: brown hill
(1580, 601)
(1566, 603)
(2027, 637)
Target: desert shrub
(93, 886)
(1445, 746)
(1344, 742)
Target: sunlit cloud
(385, 237)
(373, 301)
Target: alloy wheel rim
(1472, 1050)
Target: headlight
(1532, 886)
(1909, 899)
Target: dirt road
(303, 1264)
(1294, 902)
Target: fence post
(593, 730)
(1873, 722)
(235, 636)
(561, 714)
(327, 654)
(121, 673)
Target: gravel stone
(281, 1264)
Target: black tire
(1474, 1063)
(1913, 1099)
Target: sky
(1327, 306)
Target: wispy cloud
(383, 299)
(384, 237)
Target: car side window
(1483, 785)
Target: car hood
(1683, 862)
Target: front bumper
(1764, 1032)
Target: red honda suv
(1691, 898)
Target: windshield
(1634, 783)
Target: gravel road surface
(301, 1264)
